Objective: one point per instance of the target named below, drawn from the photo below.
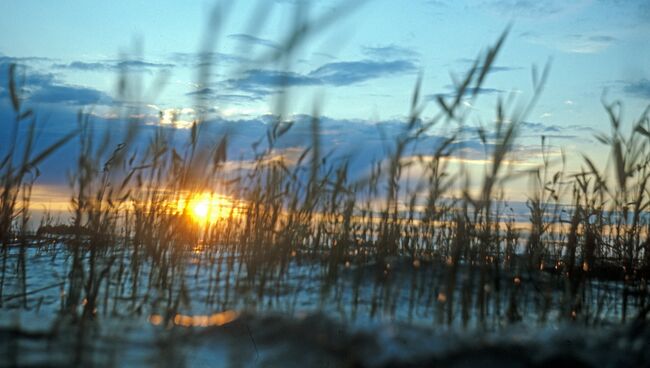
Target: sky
(359, 65)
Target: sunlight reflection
(216, 319)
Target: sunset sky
(362, 67)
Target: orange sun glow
(206, 208)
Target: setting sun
(206, 208)
(200, 209)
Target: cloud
(637, 11)
(114, 65)
(644, 11)
(540, 127)
(361, 142)
(557, 132)
(468, 92)
(493, 68)
(533, 9)
(262, 82)
(178, 118)
(80, 65)
(40, 87)
(245, 38)
(437, 3)
(345, 73)
(325, 55)
(640, 89)
(24, 76)
(21, 60)
(197, 59)
(578, 43)
(292, 2)
(586, 44)
(208, 93)
(528, 34)
(390, 52)
(139, 64)
(71, 95)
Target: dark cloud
(80, 65)
(640, 89)
(70, 95)
(249, 39)
(25, 77)
(362, 142)
(212, 94)
(540, 127)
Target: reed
(370, 245)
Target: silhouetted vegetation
(290, 229)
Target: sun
(207, 208)
(200, 209)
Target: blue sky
(362, 67)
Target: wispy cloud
(555, 131)
(21, 60)
(196, 59)
(532, 9)
(390, 52)
(586, 44)
(262, 81)
(437, 3)
(468, 92)
(493, 69)
(114, 65)
(208, 93)
(640, 89)
(253, 40)
(579, 43)
(325, 55)
(345, 73)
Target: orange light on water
(216, 319)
